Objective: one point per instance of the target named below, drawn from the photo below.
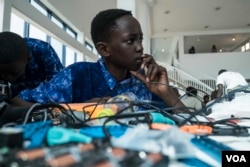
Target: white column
(5, 14)
(143, 15)
(127, 5)
(181, 47)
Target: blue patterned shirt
(43, 65)
(83, 81)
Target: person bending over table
(26, 62)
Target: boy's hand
(155, 76)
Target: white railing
(183, 80)
(208, 80)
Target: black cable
(131, 107)
(121, 86)
(123, 116)
(73, 114)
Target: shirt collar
(110, 80)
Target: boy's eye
(130, 41)
(141, 39)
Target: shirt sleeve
(219, 80)
(57, 90)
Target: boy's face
(13, 71)
(125, 45)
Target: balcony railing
(204, 84)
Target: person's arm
(156, 80)
(219, 91)
(16, 101)
(57, 90)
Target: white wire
(45, 115)
(10, 124)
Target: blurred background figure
(205, 100)
(214, 48)
(191, 50)
(191, 100)
(229, 80)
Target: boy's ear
(102, 48)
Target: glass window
(58, 46)
(16, 20)
(54, 18)
(39, 7)
(37, 33)
(57, 21)
(225, 42)
(71, 32)
(88, 46)
(70, 56)
(79, 57)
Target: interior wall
(211, 63)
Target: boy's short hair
(104, 22)
(12, 47)
(221, 71)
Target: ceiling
(170, 17)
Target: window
(57, 21)
(54, 18)
(66, 54)
(39, 6)
(88, 46)
(71, 32)
(79, 57)
(34, 32)
(58, 47)
(15, 20)
(70, 56)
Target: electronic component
(11, 137)
(34, 133)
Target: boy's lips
(138, 61)
(139, 58)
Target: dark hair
(205, 96)
(12, 47)
(221, 71)
(104, 22)
(191, 91)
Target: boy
(117, 36)
(26, 62)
